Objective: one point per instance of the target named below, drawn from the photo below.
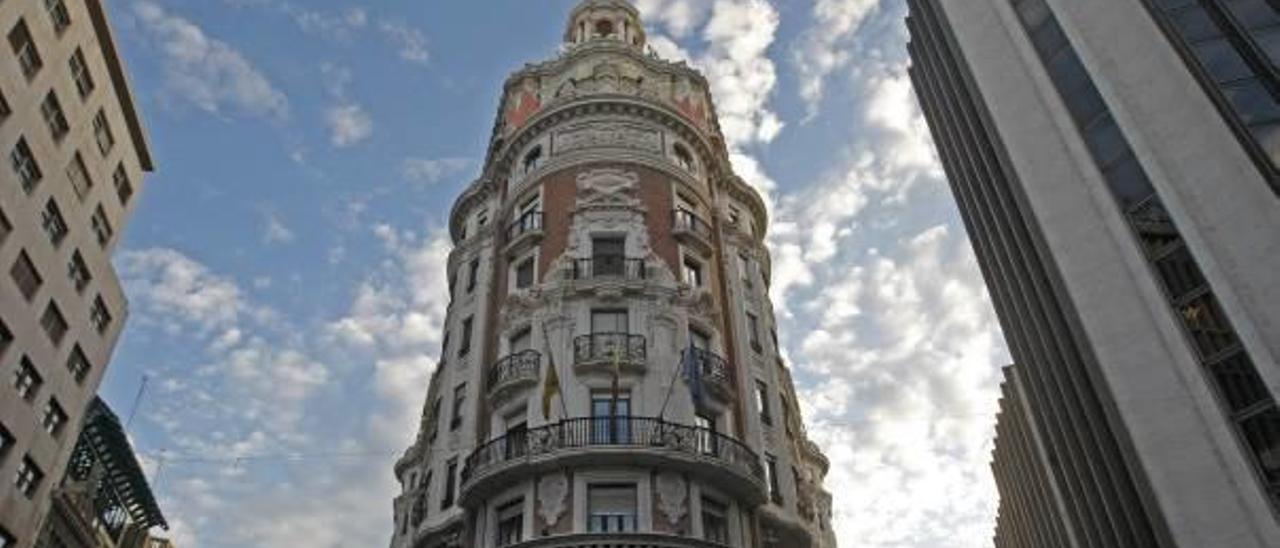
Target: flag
(551, 387)
(693, 374)
(617, 378)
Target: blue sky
(285, 266)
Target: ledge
(616, 540)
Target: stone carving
(671, 496)
(552, 491)
(608, 186)
(608, 136)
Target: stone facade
(608, 238)
(76, 154)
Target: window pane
(1085, 104)
(1268, 137)
(1252, 102)
(1048, 39)
(1239, 383)
(1195, 25)
(1128, 182)
(1263, 434)
(1253, 13)
(1269, 41)
(1105, 141)
(1067, 71)
(1221, 60)
(1033, 13)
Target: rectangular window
(27, 381)
(78, 364)
(58, 14)
(5, 109)
(610, 418)
(715, 521)
(54, 323)
(54, 418)
(786, 414)
(521, 341)
(510, 523)
(54, 117)
(6, 227)
(25, 276)
(692, 272)
(80, 74)
(25, 165)
(708, 441)
(609, 321)
(771, 476)
(99, 315)
(611, 508)
(608, 256)
(464, 346)
(435, 418)
(473, 275)
(459, 403)
(6, 337)
(482, 218)
(24, 48)
(124, 188)
(7, 540)
(524, 273)
(55, 226)
(762, 402)
(102, 133)
(753, 332)
(28, 478)
(78, 271)
(450, 483)
(101, 226)
(6, 443)
(81, 182)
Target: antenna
(137, 401)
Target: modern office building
(76, 154)
(104, 500)
(1115, 163)
(609, 376)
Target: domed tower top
(614, 20)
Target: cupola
(615, 20)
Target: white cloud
(742, 76)
(336, 26)
(166, 283)
(680, 17)
(276, 232)
(826, 47)
(348, 124)
(432, 170)
(410, 42)
(207, 72)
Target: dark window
(708, 441)
(26, 380)
(753, 332)
(6, 227)
(762, 402)
(28, 478)
(55, 226)
(610, 418)
(6, 443)
(604, 28)
(771, 475)
(6, 338)
(786, 414)
(124, 188)
(54, 117)
(608, 256)
(692, 272)
(80, 74)
(533, 159)
(78, 271)
(81, 182)
(685, 159)
(78, 364)
(510, 523)
(54, 323)
(54, 418)
(25, 49)
(450, 483)
(25, 276)
(473, 275)
(464, 346)
(744, 269)
(25, 165)
(58, 14)
(436, 406)
(611, 508)
(5, 110)
(459, 403)
(102, 133)
(7, 540)
(101, 226)
(99, 315)
(715, 521)
(524, 273)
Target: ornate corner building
(608, 375)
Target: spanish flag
(551, 387)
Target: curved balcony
(689, 228)
(716, 374)
(616, 540)
(598, 350)
(608, 268)
(525, 231)
(518, 369)
(621, 441)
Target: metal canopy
(104, 443)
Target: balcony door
(608, 256)
(610, 420)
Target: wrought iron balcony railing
(616, 540)
(714, 370)
(530, 221)
(519, 366)
(642, 433)
(687, 221)
(602, 347)
(608, 267)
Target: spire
(614, 20)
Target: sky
(285, 267)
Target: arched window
(533, 159)
(604, 28)
(684, 158)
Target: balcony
(717, 376)
(608, 268)
(516, 370)
(616, 540)
(621, 441)
(691, 229)
(525, 231)
(599, 350)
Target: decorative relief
(608, 135)
(552, 491)
(522, 104)
(671, 496)
(608, 187)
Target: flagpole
(662, 414)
